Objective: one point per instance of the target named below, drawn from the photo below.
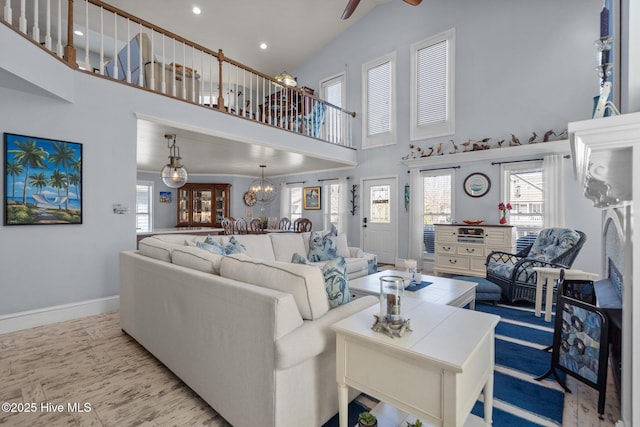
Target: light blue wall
(521, 66)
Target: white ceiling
(293, 30)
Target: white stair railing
(122, 47)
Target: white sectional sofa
(250, 333)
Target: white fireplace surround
(606, 158)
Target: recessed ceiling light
(196, 10)
(78, 33)
(263, 46)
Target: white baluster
(140, 68)
(184, 71)
(152, 82)
(87, 62)
(47, 36)
(192, 95)
(201, 87)
(59, 49)
(173, 79)
(35, 32)
(163, 84)
(101, 41)
(211, 65)
(128, 50)
(23, 18)
(7, 12)
(115, 46)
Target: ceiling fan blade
(351, 6)
(413, 2)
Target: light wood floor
(91, 361)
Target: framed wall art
(43, 181)
(311, 199)
(477, 184)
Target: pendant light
(174, 175)
(264, 189)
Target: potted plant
(418, 423)
(366, 419)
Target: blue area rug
(354, 410)
(543, 405)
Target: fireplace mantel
(602, 153)
(606, 160)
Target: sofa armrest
(316, 336)
(355, 252)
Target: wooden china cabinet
(203, 205)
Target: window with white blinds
(432, 87)
(144, 205)
(379, 124)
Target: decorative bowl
(473, 221)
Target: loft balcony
(108, 43)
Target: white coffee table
(435, 372)
(442, 290)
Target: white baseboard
(59, 313)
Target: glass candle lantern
(411, 265)
(391, 300)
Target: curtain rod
(330, 179)
(298, 182)
(437, 169)
(566, 156)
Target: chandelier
(264, 190)
(174, 175)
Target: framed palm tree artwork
(42, 182)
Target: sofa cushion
(304, 282)
(156, 248)
(286, 244)
(321, 247)
(342, 247)
(197, 258)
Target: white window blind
(378, 99)
(432, 84)
(432, 87)
(143, 206)
(379, 102)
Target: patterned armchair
(554, 247)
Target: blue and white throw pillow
(234, 247)
(212, 246)
(336, 283)
(321, 248)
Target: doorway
(379, 218)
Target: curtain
(285, 206)
(344, 204)
(553, 186)
(416, 216)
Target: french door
(379, 218)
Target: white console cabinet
(462, 249)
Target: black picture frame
(43, 181)
(477, 184)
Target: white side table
(434, 372)
(549, 275)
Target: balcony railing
(109, 42)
